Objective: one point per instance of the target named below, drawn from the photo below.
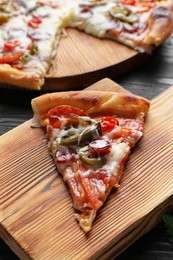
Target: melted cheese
(114, 158)
(94, 22)
(117, 154)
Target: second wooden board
(82, 60)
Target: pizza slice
(91, 134)
(141, 25)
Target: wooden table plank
(34, 196)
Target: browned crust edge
(22, 79)
(85, 221)
(160, 23)
(95, 103)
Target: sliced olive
(89, 133)
(71, 140)
(96, 162)
(119, 9)
(7, 7)
(124, 14)
(3, 18)
(25, 58)
(33, 49)
(80, 130)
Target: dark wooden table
(148, 80)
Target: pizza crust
(86, 220)
(22, 79)
(95, 103)
(160, 24)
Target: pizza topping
(145, 6)
(35, 22)
(48, 3)
(138, 29)
(17, 51)
(39, 35)
(85, 13)
(100, 146)
(11, 44)
(129, 2)
(42, 12)
(91, 192)
(117, 153)
(143, 9)
(108, 123)
(130, 123)
(89, 133)
(65, 154)
(8, 8)
(14, 46)
(63, 111)
(123, 13)
(131, 28)
(10, 58)
(80, 135)
(87, 158)
(119, 28)
(33, 49)
(92, 3)
(3, 18)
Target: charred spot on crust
(161, 12)
(90, 100)
(130, 98)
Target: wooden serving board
(36, 215)
(82, 60)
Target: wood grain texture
(37, 219)
(82, 60)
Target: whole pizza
(30, 31)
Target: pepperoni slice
(10, 45)
(10, 58)
(129, 2)
(35, 22)
(65, 154)
(100, 146)
(91, 193)
(64, 111)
